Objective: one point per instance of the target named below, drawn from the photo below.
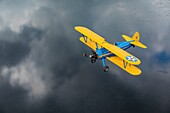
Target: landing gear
(106, 68)
(93, 60)
(93, 56)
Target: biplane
(113, 52)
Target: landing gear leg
(105, 68)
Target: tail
(134, 40)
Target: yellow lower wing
(125, 66)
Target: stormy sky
(41, 65)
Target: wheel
(106, 68)
(93, 60)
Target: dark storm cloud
(15, 46)
(43, 70)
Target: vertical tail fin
(136, 37)
(134, 40)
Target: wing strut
(97, 46)
(85, 38)
(125, 63)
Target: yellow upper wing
(112, 48)
(90, 34)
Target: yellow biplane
(113, 52)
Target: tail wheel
(106, 68)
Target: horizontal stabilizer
(134, 40)
(139, 44)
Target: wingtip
(144, 47)
(78, 27)
(137, 74)
(137, 63)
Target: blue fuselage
(105, 53)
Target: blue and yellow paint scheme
(113, 52)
